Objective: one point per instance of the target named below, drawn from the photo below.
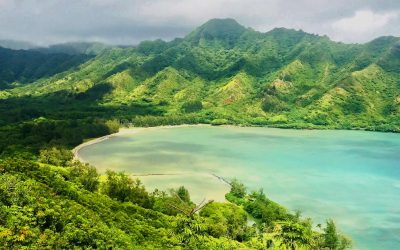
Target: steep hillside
(233, 74)
(19, 67)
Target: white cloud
(362, 25)
(128, 22)
(194, 12)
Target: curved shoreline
(124, 131)
(75, 151)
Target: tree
(331, 238)
(56, 156)
(237, 188)
(293, 235)
(192, 106)
(112, 125)
(354, 105)
(267, 211)
(86, 175)
(334, 240)
(183, 194)
(189, 231)
(272, 104)
(226, 219)
(121, 187)
(172, 203)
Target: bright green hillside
(283, 78)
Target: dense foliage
(19, 67)
(56, 207)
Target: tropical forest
(219, 105)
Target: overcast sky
(131, 21)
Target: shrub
(237, 188)
(272, 104)
(86, 175)
(192, 106)
(56, 156)
(318, 117)
(354, 104)
(123, 188)
(112, 125)
(278, 119)
(218, 122)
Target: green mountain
(19, 67)
(22, 63)
(223, 72)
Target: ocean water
(352, 177)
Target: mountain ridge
(281, 78)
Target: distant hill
(17, 45)
(19, 67)
(228, 73)
(76, 48)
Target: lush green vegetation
(44, 206)
(282, 227)
(222, 73)
(19, 67)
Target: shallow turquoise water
(350, 176)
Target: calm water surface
(350, 176)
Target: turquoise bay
(350, 176)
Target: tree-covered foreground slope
(225, 73)
(43, 206)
